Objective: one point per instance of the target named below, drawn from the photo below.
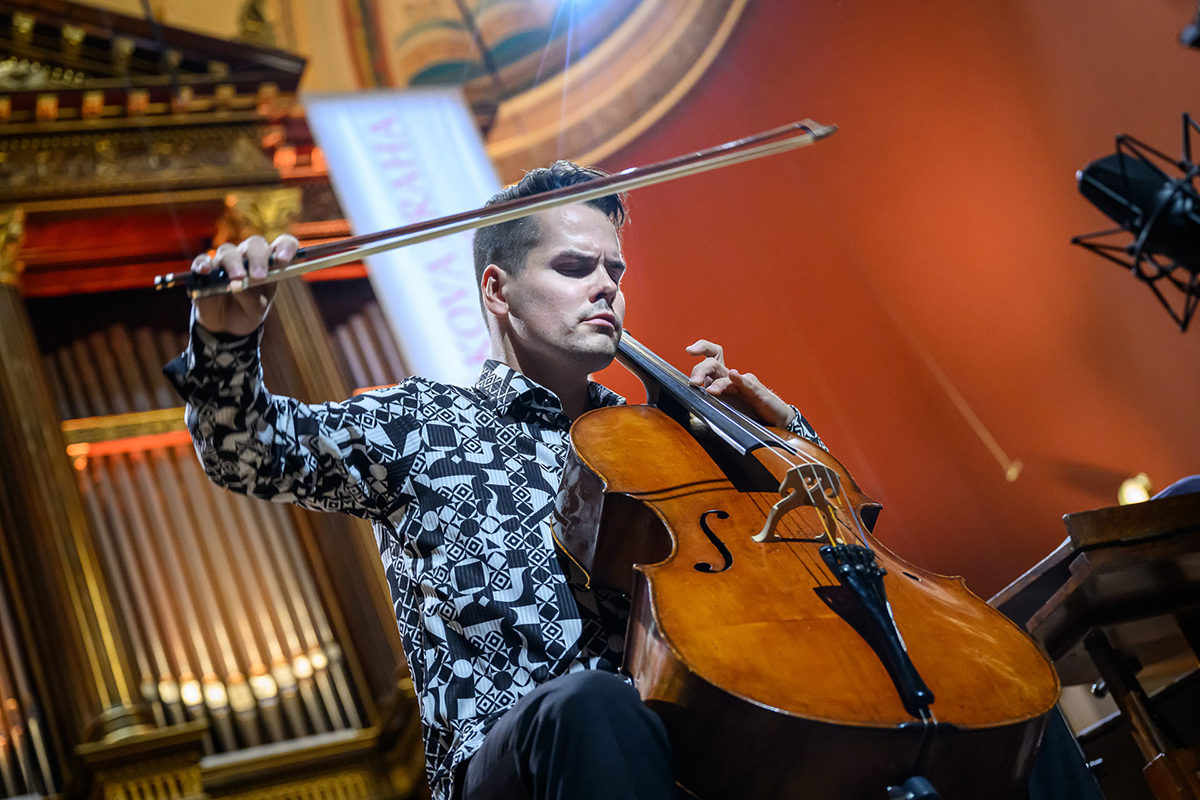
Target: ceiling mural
(422, 42)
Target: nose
(604, 287)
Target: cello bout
(764, 658)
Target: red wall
(926, 245)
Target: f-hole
(704, 566)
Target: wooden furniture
(1121, 592)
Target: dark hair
(507, 244)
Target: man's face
(566, 305)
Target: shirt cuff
(801, 427)
(213, 360)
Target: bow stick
(331, 254)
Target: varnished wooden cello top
(722, 619)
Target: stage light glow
(1135, 490)
(191, 693)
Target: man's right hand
(241, 313)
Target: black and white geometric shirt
(459, 484)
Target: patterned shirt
(460, 484)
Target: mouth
(603, 320)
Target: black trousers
(583, 736)
(587, 736)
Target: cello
(788, 652)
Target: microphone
(1161, 212)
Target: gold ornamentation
(224, 95)
(72, 40)
(20, 74)
(137, 102)
(22, 28)
(122, 50)
(87, 430)
(70, 165)
(351, 784)
(267, 98)
(92, 105)
(255, 25)
(181, 101)
(12, 232)
(47, 107)
(266, 212)
(172, 778)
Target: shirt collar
(516, 395)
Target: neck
(570, 387)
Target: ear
(493, 286)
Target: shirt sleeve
(802, 428)
(354, 457)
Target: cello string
(802, 554)
(737, 418)
(766, 437)
(839, 498)
(721, 407)
(667, 375)
(789, 456)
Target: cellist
(514, 659)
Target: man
(513, 658)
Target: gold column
(300, 347)
(65, 583)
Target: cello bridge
(805, 485)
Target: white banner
(399, 157)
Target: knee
(582, 725)
(588, 697)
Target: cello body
(754, 655)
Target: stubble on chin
(598, 352)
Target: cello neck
(664, 381)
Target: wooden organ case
(160, 638)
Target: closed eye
(580, 266)
(575, 271)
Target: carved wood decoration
(68, 62)
(547, 78)
(93, 103)
(35, 167)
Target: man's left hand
(743, 388)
